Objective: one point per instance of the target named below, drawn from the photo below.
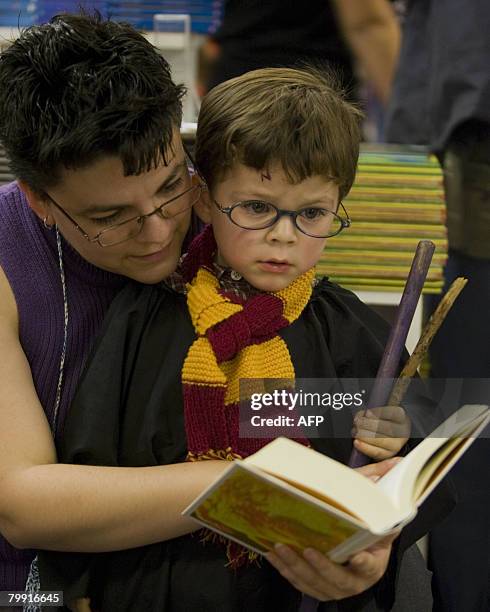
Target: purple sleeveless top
(29, 258)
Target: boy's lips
(274, 265)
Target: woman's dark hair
(78, 88)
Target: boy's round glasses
(311, 220)
(120, 232)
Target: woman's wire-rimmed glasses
(313, 221)
(130, 228)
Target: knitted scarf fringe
(237, 555)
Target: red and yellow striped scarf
(236, 340)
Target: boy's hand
(381, 433)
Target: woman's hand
(314, 574)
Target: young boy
(278, 150)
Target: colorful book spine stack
(397, 199)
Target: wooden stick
(388, 367)
(428, 333)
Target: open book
(291, 494)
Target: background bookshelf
(397, 199)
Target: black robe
(128, 412)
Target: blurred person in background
(440, 99)
(340, 33)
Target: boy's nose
(283, 230)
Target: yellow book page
(259, 514)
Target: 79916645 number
(19, 598)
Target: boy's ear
(36, 202)
(203, 206)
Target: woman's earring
(46, 224)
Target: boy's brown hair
(296, 117)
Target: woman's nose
(156, 228)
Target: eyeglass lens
(131, 228)
(312, 221)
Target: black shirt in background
(258, 34)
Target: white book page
(308, 469)
(417, 474)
